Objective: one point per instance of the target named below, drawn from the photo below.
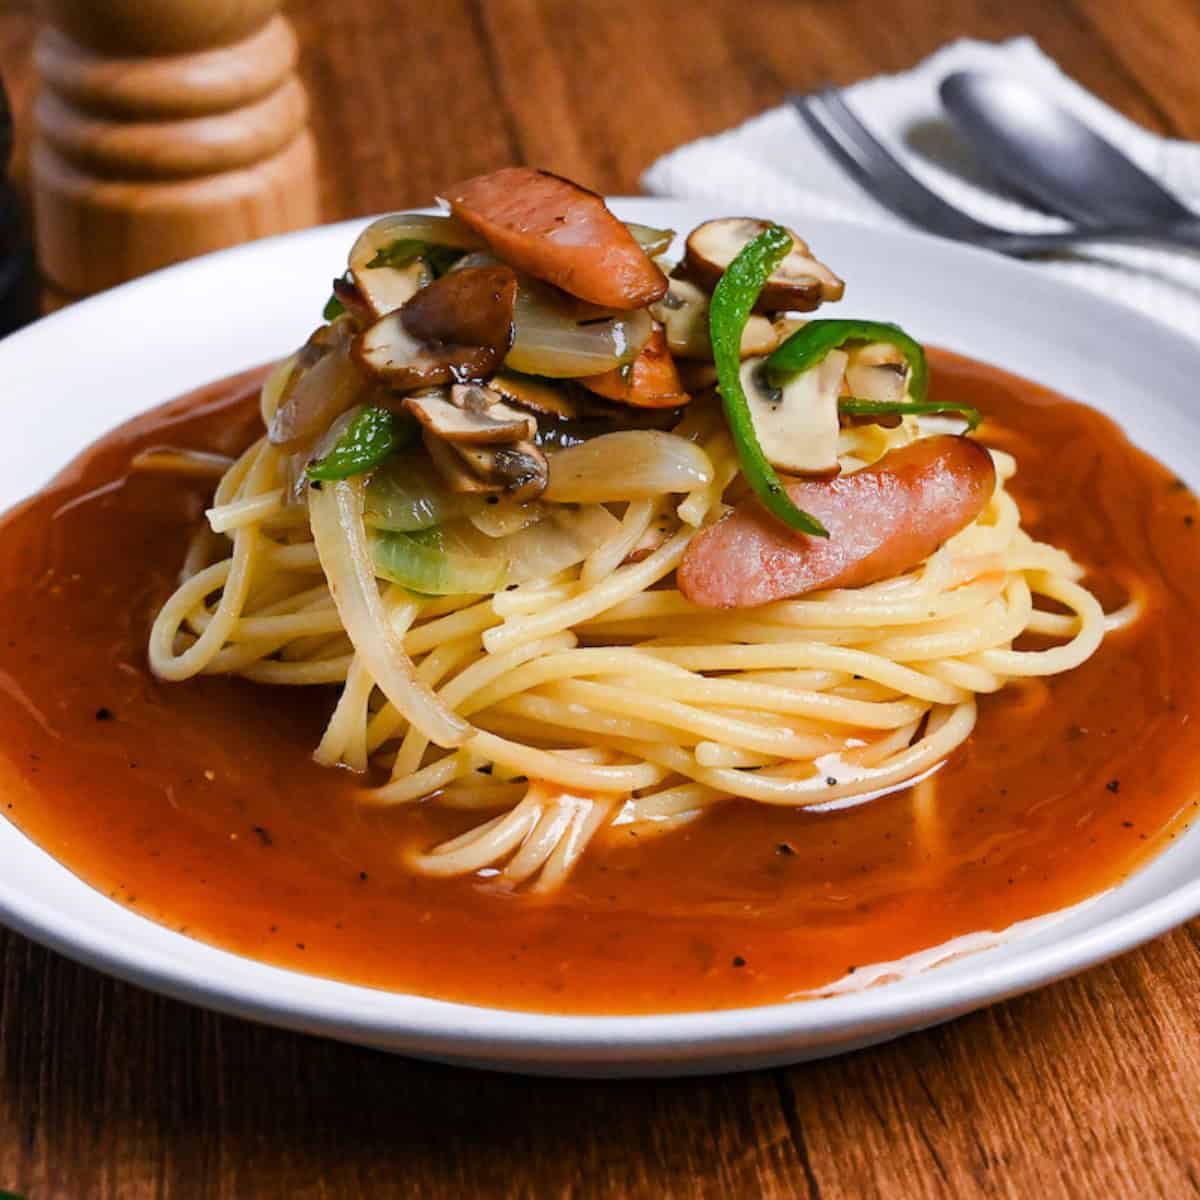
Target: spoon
(1048, 153)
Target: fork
(881, 174)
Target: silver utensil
(1045, 151)
(884, 177)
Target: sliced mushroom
(800, 283)
(683, 312)
(387, 285)
(486, 424)
(473, 307)
(406, 364)
(535, 394)
(884, 384)
(877, 372)
(877, 354)
(797, 425)
(785, 326)
(474, 397)
(385, 289)
(351, 298)
(650, 381)
(454, 471)
(518, 469)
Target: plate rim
(260, 990)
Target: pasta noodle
(600, 696)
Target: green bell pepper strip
(332, 310)
(854, 407)
(809, 345)
(369, 439)
(732, 300)
(403, 251)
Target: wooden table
(1090, 1088)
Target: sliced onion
(561, 337)
(653, 241)
(423, 564)
(564, 538)
(506, 517)
(336, 516)
(275, 387)
(631, 464)
(407, 494)
(418, 227)
(385, 288)
(321, 393)
(557, 337)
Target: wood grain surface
(1089, 1088)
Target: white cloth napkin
(773, 161)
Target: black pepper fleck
(830, 781)
(785, 849)
(264, 835)
(738, 961)
(104, 714)
(1113, 785)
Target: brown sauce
(198, 803)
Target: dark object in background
(19, 292)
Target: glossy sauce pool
(198, 804)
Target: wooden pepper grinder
(164, 129)
(19, 297)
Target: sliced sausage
(650, 381)
(882, 521)
(562, 233)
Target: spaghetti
(616, 697)
(560, 589)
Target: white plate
(70, 377)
